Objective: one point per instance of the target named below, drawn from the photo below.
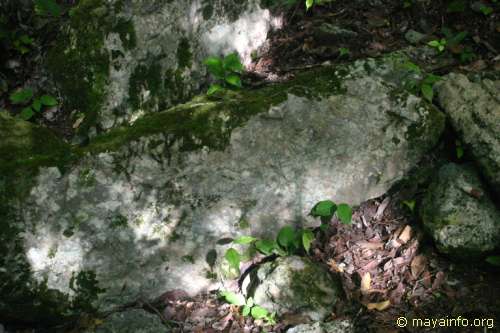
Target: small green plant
(343, 51)
(31, 105)
(249, 307)
(226, 71)
(410, 204)
(425, 85)
(327, 209)
(289, 240)
(486, 10)
(493, 260)
(438, 44)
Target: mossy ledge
(208, 121)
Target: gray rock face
(142, 206)
(459, 214)
(131, 321)
(337, 326)
(121, 59)
(474, 110)
(294, 285)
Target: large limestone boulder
(459, 214)
(294, 285)
(119, 59)
(474, 110)
(136, 212)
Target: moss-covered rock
(474, 110)
(459, 215)
(119, 59)
(294, 285)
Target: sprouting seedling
(440, 44)
(249, 307)
(24, 97)
(226, 71)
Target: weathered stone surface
(131, 321)
(120, 59)
(474, 110)
(141, 206)
(294, 285)
(337, 326)
(459, 214)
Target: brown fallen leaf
(381, 306)
(366, 282)
(335, 267)
(371, 245)
(405, 235)
(418, 265)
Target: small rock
(461, 223)
(414, 37)
(293, 285)
(338, 326)
(135, 320)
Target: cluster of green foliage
(289, 240)
(423, 86)
(226, 71)
(31, 105)
(249, 307)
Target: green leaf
(431, 79)
(234, 80)
(410, 204)
(213, 89)
(250, 302)
(427, 92)
(412, 67)
(434, 43)
(21, 96)
(265, 246)
(286, 236)
(344, 213)
(244, 240)
(493, 260)
(232, 63)
(37, 105)
(324, 209)
(460, 152)
(233, 257)
(486, 10)
(309, 4)
(259, 312)
(215, 67)
(26, 113)
(307, 239)
(246, 310)
(45, 7)
(457, 39)
(48, 100)
(233, 298)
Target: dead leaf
(366, 282)
(371, 245)
(418, 265)
(381, 208)
(381, 306)
(78, 122)
(334, 267)
(405, 235)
